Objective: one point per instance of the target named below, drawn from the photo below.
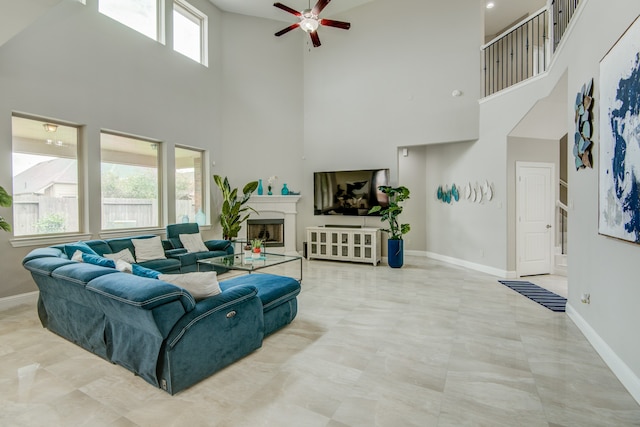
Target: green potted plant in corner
(395, 246)
(5, 202)
(233, 208)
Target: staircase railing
(525, 50)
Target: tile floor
(427, 345)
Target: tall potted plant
(233, 208)
(395, 244)
(5, 201)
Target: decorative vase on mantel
(269, 192)
(260, 190)
(285, 189)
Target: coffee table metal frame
(239, 262)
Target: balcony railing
(525, 50)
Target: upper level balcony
(525, 50)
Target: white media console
(344, 244)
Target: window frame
(192, 13)
(52, 238)
(205, 184)
(160, 165)
(160, 33)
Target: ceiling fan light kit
(310, 21)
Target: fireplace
(271, 231)
(275, 206)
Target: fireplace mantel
(278, 207)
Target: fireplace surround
(281, 208)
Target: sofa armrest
(167, 245)
(219, 245)
(186, 259)
(139, 291)
(219, 331)
(175, 253)
(208, 309)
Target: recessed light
(490, 5)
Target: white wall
(601, 266)
(74, 64)
(604, 267)
(262, 113)
(387, 83)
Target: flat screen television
(351, 192)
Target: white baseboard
(620, 369)
(472, 265)
(15, 300)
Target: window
(190, 186)
(189, 31)
(142, 15)
(130, 182)
(45, 177)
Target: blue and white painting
(619, 214)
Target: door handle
(548, 226)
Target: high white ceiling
(504, 14)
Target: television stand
(344, 244)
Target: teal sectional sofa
(155, 329)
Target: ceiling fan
(309, 20)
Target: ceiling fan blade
(337, 24)
(287, 9)
(319, 6)
(315, 38)
(286, 30)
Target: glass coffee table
(239, 262)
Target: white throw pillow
(124, 255)
(193, 242)
(148, 249)
(124, 266)
(199, 284)
(77, 256)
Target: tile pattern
(427, 345)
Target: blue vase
(284, 190)
(260, 190)
(395, 253)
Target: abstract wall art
(619, 165)
(583, 137)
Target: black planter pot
(395, 253)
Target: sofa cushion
(193, 242)
(168, 265)
(273, 290)
(77, 256)
(139, 270)
(199, 284)
(71, 248)
(124, 255)
(98, 260)
(148, 249)
(124, 266)
(81, 273)
(101, 247)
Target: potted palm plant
(395, 247)
(5, 201)
(234, 209)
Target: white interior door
(534, 217)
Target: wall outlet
(586, 298)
